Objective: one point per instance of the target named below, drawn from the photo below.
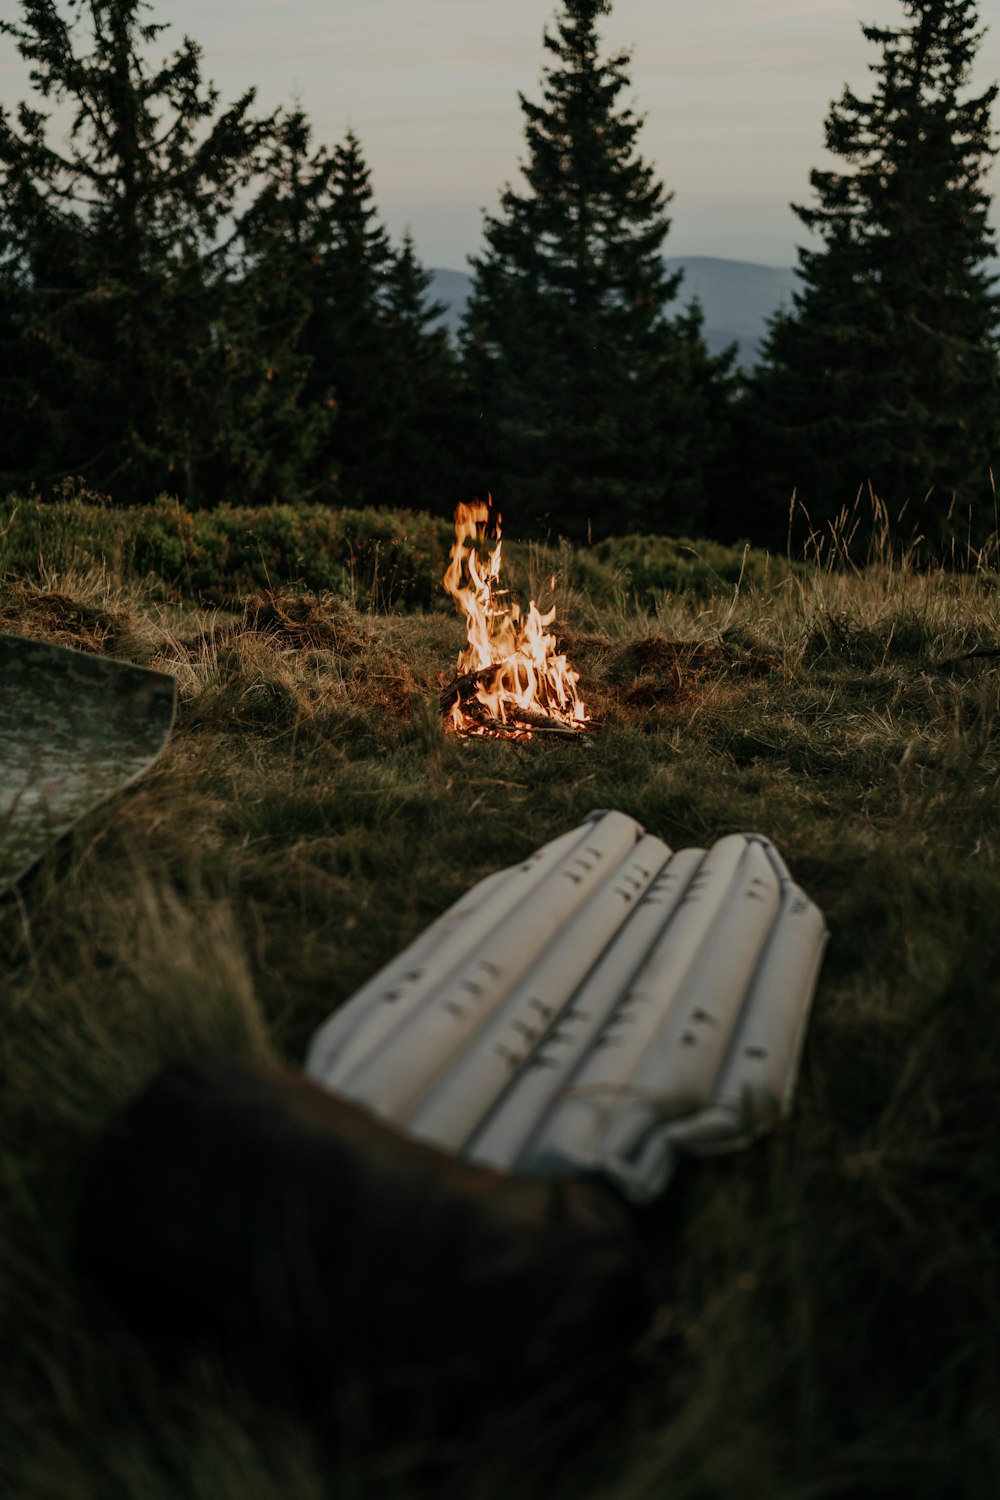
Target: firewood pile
(518, 723)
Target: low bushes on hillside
(382, 557)
(651, 565)
(385, 558)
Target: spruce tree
(115, 256)
(885, 370)
(423, 447)
(379, 379)
(372, 347)
(346, 336)
(283, 449)
(595, 404)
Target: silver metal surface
(74, 730)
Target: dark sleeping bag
(245, 1202)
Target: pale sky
(734, 93)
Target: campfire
(512, 679)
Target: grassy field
(830, 1301)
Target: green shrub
(648, 565)
(385, 558)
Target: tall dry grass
(830, 1303)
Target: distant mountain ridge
(737, 298)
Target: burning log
(545, 722)
(521, 727)
(464, 687)
(460, 695)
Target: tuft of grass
(830, 1302)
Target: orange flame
(523, 679)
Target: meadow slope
(830, 1301)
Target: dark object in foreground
(246, 1202)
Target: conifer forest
(201, 301)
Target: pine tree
(114, 255)
(596, 406)
(282, 449)
(22, 422)
(423, 448)
(380, 382)
(372, 347)
(346, 337)
(885, 370)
